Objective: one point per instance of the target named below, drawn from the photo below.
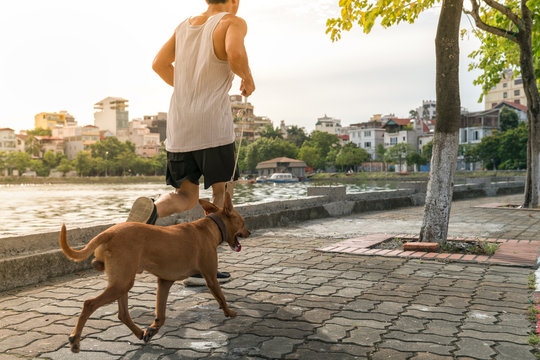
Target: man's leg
(146, 211)
(218, 196)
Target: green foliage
(469, 152)
(508, 119)
(427, 151)
(323, 141)
(366, 13)
(296, 135)
(49, 158)
(311, 156)
(414, 158)
(398, 153)
(350, 156)
(266, 149)
(32, 146)
(65, 166)
(39, 167)
(497, 53)
(271, 133)
(39, 132)
(380, 151)
(505, 150)
(17, 160)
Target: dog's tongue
(238, 247)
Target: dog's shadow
(195, 326)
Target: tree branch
(491, 29)
(506, 11)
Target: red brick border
(522, 253)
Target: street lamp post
(106, 163)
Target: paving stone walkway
(296, 303)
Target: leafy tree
(3, 165)
(264, 149)
(508, 119)
(269, 132)
(510, 36)
(332, 156)
(18, 160)
(488, 151)
(470, 153)
(39, 132)
(323, 141)
(351, 155)
(414, 158)
(49, 158)
(83, 164)
(296, 135)
(311, 156)
(380, 151)
(33, 146)
(427, 151)
(39, 166)
(445, 143)
(398, 153)
(413, 114)
(513, 148)
(65, 166)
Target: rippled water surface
(40, 208)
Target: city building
(77, 138)
(328, 124)
(367, 135)
(157, 124)
(70, 119)
(282, 165)
(507, 90)
(521, 110)
(49, 121)
(399, 131)
(8, 140)
(50, 143)
(428, 110)
(147, 144)
(112, 114)
(246, 124)
(21, 141)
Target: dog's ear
(208, 207)
(227, 203)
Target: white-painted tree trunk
(440, 187)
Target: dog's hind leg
(110, 294)
(163, 288)
(123, 315)
(215, 289)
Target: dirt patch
(469, 247)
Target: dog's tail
(80, 255)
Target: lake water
(40, 208)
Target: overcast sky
(68, 55)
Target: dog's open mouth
(237, 246)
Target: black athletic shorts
(215, 164)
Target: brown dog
(171, 253)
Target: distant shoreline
(7, 180)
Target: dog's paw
(149, 333)
(231, 313)
(74, 346)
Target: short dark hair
(217, 1)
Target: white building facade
(112, 114)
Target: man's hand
(247, 88)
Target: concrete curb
(30, 259)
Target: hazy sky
(68, 55)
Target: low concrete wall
(30, 259)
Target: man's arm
(163, 62)
(237, 56)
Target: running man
(200, 61)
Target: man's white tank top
(200, 114)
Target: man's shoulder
(233, 19)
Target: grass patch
(532, 313)
(478, 247)
(532, 281)
(533, 339)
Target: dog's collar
(221, 225)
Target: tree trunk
(445, 141)
(532, 182)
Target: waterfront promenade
(295, 302)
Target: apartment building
(399, 131)
(367, 135)
(8, 140)
(147, 144)
(49, 121)
(328, 124)
(112, 114)
(507, 90)
(157, 124)
(77, 138)
(246, 124)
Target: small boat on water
(282, 178)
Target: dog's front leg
(163, 288)
(213, 285)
